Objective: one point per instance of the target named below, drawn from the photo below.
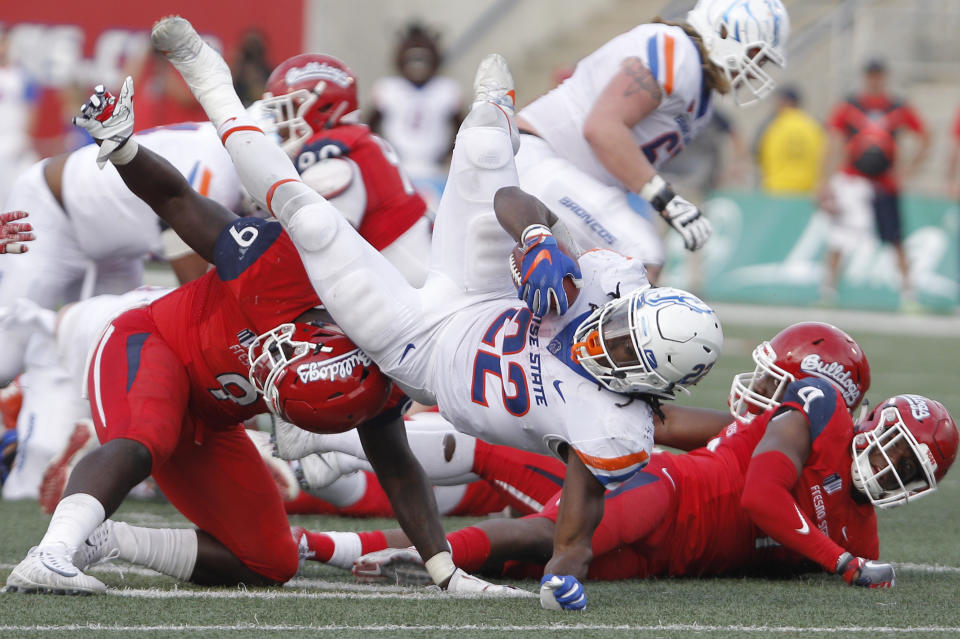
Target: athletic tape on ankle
(440, 567)
(125, 153)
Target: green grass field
(920, 538)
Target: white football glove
(679, 213)
(461, 581)
(109, 120)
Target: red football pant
(139, 390)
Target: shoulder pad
(814, 397)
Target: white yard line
(492, 628)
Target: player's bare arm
(406, 485)
(630, 96)
(516, 210)
(196, 219)
(581, 509)
(687, 428)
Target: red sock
(470, 547)
(526, 480)
(306, 504)
(323, 545)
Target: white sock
(171, 551)
(75, 519)
(347, 548)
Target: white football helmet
(652, 341)
(740, 37)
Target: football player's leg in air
(140, 389)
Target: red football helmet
(807, 349)
(308, 93)
(902, 449)
(313, 376)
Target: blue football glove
(562, 593)
(866, 574)
(542, 269)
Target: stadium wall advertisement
(62, 43)
(771, 251)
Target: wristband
(440, 567)
(657, 192)
(534, 229)
(125, 152)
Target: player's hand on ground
(14, 233)
(857, 571)
(108, 119)
(688, 221)
(463, 582)
(543, 266)
(564, 592)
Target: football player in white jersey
(418, 111)
(563, 384)
(87, 220)
(633, 104)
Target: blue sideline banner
(771, 251)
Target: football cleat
(51, 571)
(299, 534)
(100, 546)
(81, 441)
(292, 442)
(400, 566)
(283, 476)
(494, 83)
(202, 68)
(317, 471)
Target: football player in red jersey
(169, 384)
(312, 99)
(791, 481)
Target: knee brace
(313, 225)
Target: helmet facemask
(270, 356)
(883, 484)
(754, 393)
(289, 113)
(609, 345)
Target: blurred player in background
(864, 193)
(419, 111)
(790, 485)
(93, 233)
(633, 104)
(169, 384)
(461, 341)
(312, 99)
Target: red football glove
(866, 574)
(12, 233)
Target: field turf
(921, 539)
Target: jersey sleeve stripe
(613, 464)
(204, 187)
(668, 64)
(653, 56)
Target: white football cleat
(314, 472)
(494, 83)
(203, 69)
(82, 440)
(399, 566)
(292, 442)
(463, 582)
(100, 546)
(280, 470)
(51, 571)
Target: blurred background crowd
(780, 181)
